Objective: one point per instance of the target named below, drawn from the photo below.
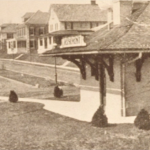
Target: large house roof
(79, 12)
(28, 14)
(10, 28)
(132, 35)
(138, 35)
(38, 18)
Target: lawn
(28, 126)
(45, 90)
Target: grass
(45, 90)
(29, 126)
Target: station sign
(72, 41)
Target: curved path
(83, 110)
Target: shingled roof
(38, 18)
(28, 14)
(79, 12)
(10, 28)
(139, 34)
(133, 35)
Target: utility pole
(55, 70)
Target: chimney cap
(93, 2)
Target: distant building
(7, 31)
(34, 25)
(71, 22)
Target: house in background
(26, 40)
(7, 31)
(70, 23)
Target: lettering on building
(72, 41)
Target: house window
(41, 31)
(50, 40)
(41, 42)
(31, 30)
(19, 32)
(23, 31)
(21, 44)
(45, 41)
(9, 45)
(56, 26)
(94, 24)
(10, 36)
(14, 44)
(32, 44)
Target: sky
(11, 11)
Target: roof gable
(79, 12)
(39, 18)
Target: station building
(114, 61)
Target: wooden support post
(102, 82)
(83, 68)
(123, 104)
(138, 64)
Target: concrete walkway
(83, 110)
(78, 110)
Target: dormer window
(31, 30)
(41, 31)
(68, 25)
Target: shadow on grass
(70, 98)
(108, 126)
(112, 125)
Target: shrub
(58, 92)
(13, 97)
(142, 120)
(99, 119)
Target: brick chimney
(93, 2)
(121, 10)
(109, 17)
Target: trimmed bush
(99, 119)
(13, 97)
(58, 92)
(142, 121)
